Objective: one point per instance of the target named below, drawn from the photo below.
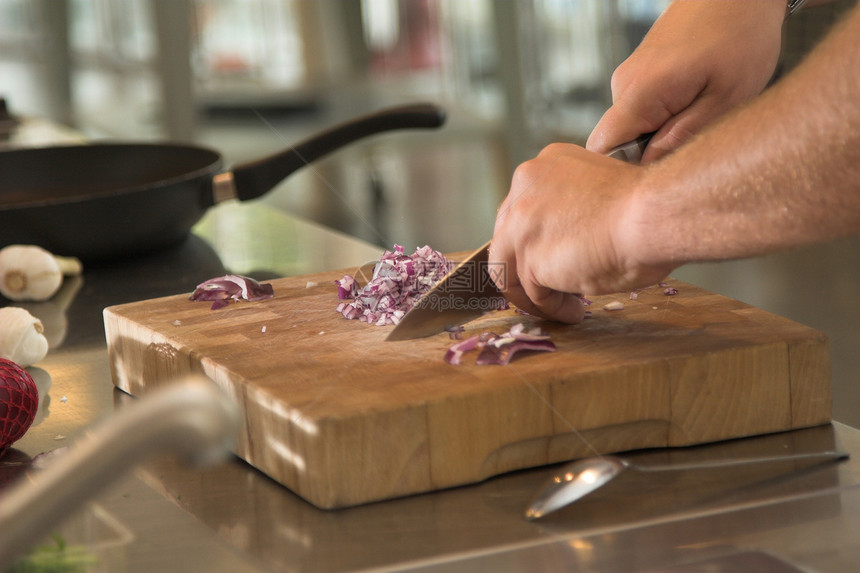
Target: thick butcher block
(342, 417)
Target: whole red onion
(19, 399)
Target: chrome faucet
(193, 419)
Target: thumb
(620, 125)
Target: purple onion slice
(500, 349)
(222, 290)
(456, 351)
(503, 354)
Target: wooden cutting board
(342, 417)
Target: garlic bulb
(21, 338)
(28, 272)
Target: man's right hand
(700, 59)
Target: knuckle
(619, 79)
(554, 149)
(524, 175)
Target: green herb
(56, 558)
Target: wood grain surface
(342, 417)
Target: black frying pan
(104, 201)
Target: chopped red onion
(503, 354)
(222, 290)
(496, 349)
(667, 290)
(347, 288)
(398, 281)
(486, 337)
(519, 332)
(453, 355)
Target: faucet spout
(193, 419)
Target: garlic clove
(69, 266)
(28, 272)
(22, 338)
(52, 312)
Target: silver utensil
(577, 479)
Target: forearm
(780, 172)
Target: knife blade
(468, 291)
(465, 293)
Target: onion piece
(502, 354)
(500, 349)
(222, 290)
(519, 332)
(453, 355)
(347, 288)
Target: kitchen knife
(468, 291)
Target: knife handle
(632, 151)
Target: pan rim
(210, 170)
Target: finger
(497, 258)
(643, 103)
(517, 297)
(618, 125)
(553, 304)
(502, 256)
(684, 126)
(538, 300)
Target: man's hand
(700, 59)
(777, 173)
(562, 230)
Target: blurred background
(249, 77)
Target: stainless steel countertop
(233, 518)
(164, 516)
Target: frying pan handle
(256, 178)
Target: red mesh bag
(19, 399)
